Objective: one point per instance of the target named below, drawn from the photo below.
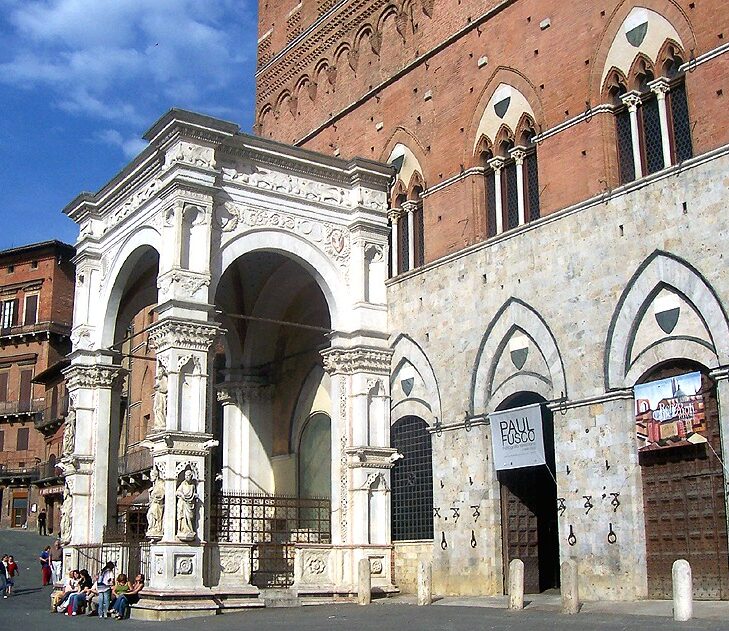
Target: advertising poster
(670, 412)
(517, 437)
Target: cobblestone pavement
(28, 610)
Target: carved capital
(632, 100)
(356, 360)
(410, 206)
(394, 214)
(496, 163)
(179, 334)
(518, 153)
(91, 376)
(237, 392)
(659, 87)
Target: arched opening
(412, 480)
(275, 433)
(130, 462)
(315, 457)
(529, 508)
(679, 442)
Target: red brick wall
(558, 69)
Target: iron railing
(14, 408)
(129, 557)
(273, 524)
(59, 328)
(135, 460)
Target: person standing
(42, 522)
(57, 562)
(12, 570)
(3, 577)
(104, 583)
(45, 561)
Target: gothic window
(418, 228)
(412, 480)
(532, 185)
(655, 113)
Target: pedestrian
(3, 576)
(57, 562)
(12, 570)
(104, 583)
(85, 589)
(42, 522)
(45, 562)
(131, 597)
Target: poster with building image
(670, 412)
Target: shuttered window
(31, 309)
(22, 444)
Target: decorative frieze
(180, 334)
(332, 239)
(237, 393)
(356, 360)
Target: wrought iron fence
(131, 557)
(273, 524)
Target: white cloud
(129, 146)
(128, 61)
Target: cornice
(182, 335)
(91, 376)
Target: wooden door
(520, 527)
(685, 510)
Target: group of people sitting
(104, 596)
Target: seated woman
(70, 585)
(85, 588)
(120, 608)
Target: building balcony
(39, 330)
(19, 471)
(21, 410)
(134, 468)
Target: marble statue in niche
(186, 504)
(156, 510)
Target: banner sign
(517, 438)
(670, 412)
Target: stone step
(280, 598)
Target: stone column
(410, 207)
(179, 452)
(497, 164)
(633, 100)
(360, 466)
(90, 468)
(394, 215)
(660, 87)
(247, 445)
(519, 153)
(721, 377)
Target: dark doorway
(529, 510)
(683, 498)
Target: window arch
(508, 154)
(412, 480)
(644, 81)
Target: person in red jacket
(12, 570)
(45, 561)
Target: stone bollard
(516, 584)
(425, 583)
(364, 587)
(683, 591)
(570, 591)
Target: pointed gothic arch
(662, 269)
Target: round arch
(312, 259)
(122, 269)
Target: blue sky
(82, 80)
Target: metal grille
(419, 235)
(652, 135)
(512, 201)
(274, 524)
(685, 511)
(131, 558)
(625, 146)
(412, 480)
(490, 202)
(532, 181)
(403, 264)
(681, 124)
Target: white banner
(517, 437)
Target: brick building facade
(558, 193)
(36, 288)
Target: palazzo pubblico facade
(461, 297)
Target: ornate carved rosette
(192, 336)
(356, 360)
(91, 376)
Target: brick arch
(517, 80)
(390, 10)
(365, 30)
(666, 53)
(641, 61)
(669, 9)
